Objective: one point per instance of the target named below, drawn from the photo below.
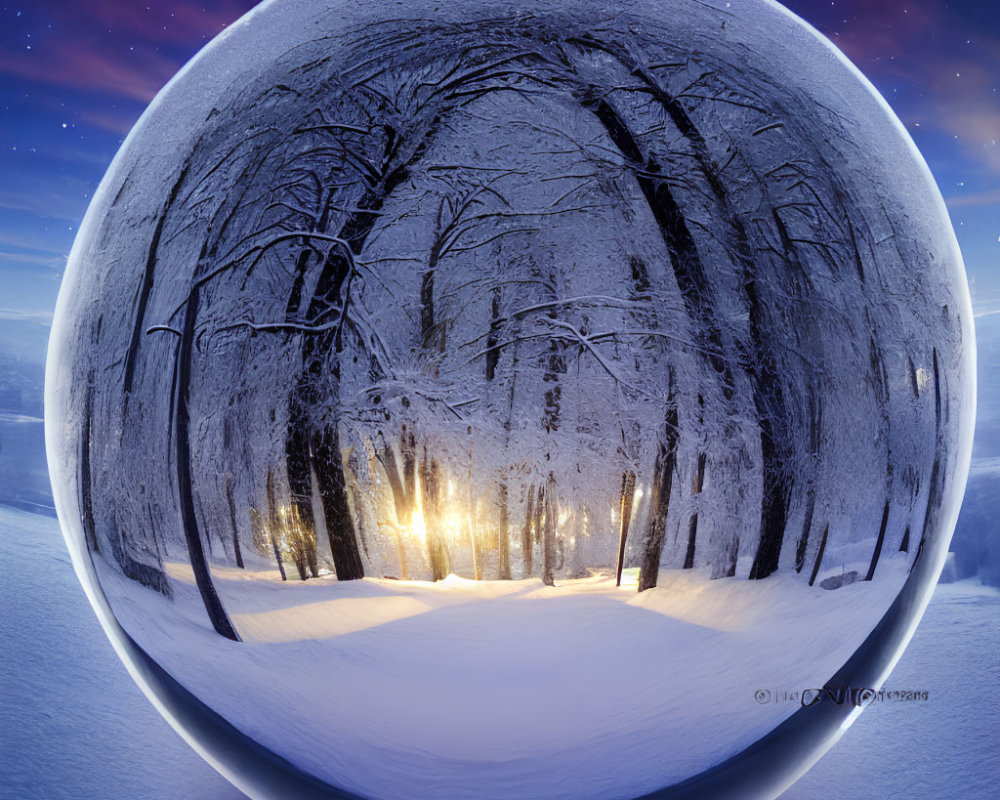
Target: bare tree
(628, 495)
(663, 477)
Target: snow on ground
(72, 724)
(944, 747)
(505, 689)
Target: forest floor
(582, 690)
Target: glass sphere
(512, 400)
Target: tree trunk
(316, 448)
(663, 476)
(503, 537)
(277, 556)
(408, 450)
(493, 337)
(312, 557)
(200, 509)
(935, 488)
(300, 470)
(182, 421)
(477, 570)
(298, 558)
(627, 495)
(152, 577)
(527, 549)
(904, 546)
(914, 383)
(86, 481)
(819, 554)
(880, 384)
(357, 498)
(699, 480)
(540, 514)
(692, 536)
(273, 524)
(772, 414)
(549, 536)
(145, 290)
(878, 542)
(387, 457)
(734, 556)
(803, 543)
(935, 491)
(325, 447)
(301, 544)
(430, 488)
(773, 508)
(432, 331)
(237, 553)
(815, 447)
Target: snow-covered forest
(508, 296)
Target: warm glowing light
(417, 529)
(451, 522)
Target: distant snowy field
(73, 725)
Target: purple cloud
(121, 48)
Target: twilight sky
(74, 77)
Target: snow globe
(520, 399)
